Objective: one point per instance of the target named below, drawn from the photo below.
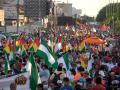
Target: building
(77, 12)
(10, 9)
(64, 9)
(2, 14)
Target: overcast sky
(89, 7)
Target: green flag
(12, 56)
(64, 60)
(6, 65)
(90, 66)
(23, 51)
(45, 52)
(82, 47)
(34, 77)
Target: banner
(24, 85)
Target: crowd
(95, 68)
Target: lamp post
(109, 7)
(117, 10)
(67, 1)
(17, 15)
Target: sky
(89, 7)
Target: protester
(66, 85)
(40, 87)
(45, 75)
(98, 85)
(84, 66)
(13, 86)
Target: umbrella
(104, 27)
(94, 40)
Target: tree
(109, 14)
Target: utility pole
(67, 1)
(106, 11)
(109, 8)
(117, 10)
(113, 7)
(17, 15)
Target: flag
(17, 43)
(7, 49)
(82, 46)
(90, 55)
(99, 61)
(36, 44)
(91, 73)
(83, 64)
(64, 60)
(90, 66)
(6, 65)
(58, 48)
(22, 41)
(45, 52)
(82, 60)
(30, 42)
(12, 56)
(58, 45)
(51, 42)
(67, 47)
(23, 51)
(18, 50)
(35, 47)
(90, 62)
(34, 77)
(76, 47)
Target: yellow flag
(7, 49)
(67, 47)
(35, 47)
(17, 43)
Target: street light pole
(113, 7)
(117, 10)
(106, 11)
(17, 15)
(67, 1)
(109, 8)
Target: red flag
(99, 61)
(37, 42)
(104, 27)
(59, 38)
(22, 42)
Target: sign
(10, 12)
(5, 82)
(2, 14)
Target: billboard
(65, 20)
(66, 8)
